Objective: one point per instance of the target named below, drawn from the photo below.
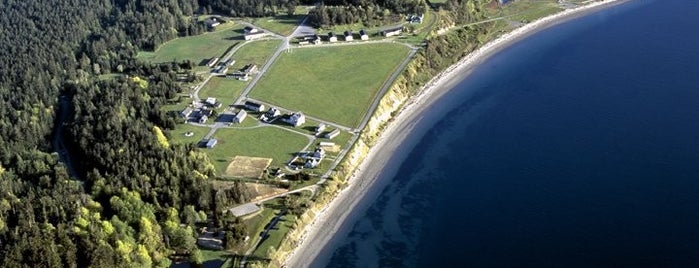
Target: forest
(135, 199)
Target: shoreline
(383, 161)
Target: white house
(272, 112)
(311, 163)
(331, 37)
(319, 153)
(295, 119)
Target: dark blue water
(577, 147)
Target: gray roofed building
(332, 134)
(211, 143)
(257, 107)
(186, 112)
(240, 116)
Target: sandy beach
(385, 157)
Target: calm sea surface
(577, 147)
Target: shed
(186, 112)
(257, 107)
(332, 134)
(348, 36)
(249, 30)
(363, 35)
(211, 143)
(331, 37)
(392, 31)
(240, 116)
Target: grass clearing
(255, 52)
(214, 258)
(199, 48)
(226, 90)
(178, 135)
(336, 83)
(282, 24)
(272, 142)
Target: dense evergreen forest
(135, 199)
(138, 198)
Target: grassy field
(198, 49)
(226, 90)
(256, 52)
(282, 24)
(333, 83)
(178, 137)
(214, 258)
(271, 142)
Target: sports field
(335, 83)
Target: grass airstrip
(336, 83)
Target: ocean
(575, 147)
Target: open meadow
(283, 23)
(336, 83)
(186, 133)
(255, 52)
(226, 90)
(271, 142)
(199, 48)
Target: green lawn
(198, 49)
(255, 52)
(282, 24)
(226, 90)
(215, 256)
(270, 142)
(333, 83)
(177, 136)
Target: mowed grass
(199, 48)
(336, 84)
(270, 142)
(226, 90)
(282, 24)
(177, 136)
(255, 52)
